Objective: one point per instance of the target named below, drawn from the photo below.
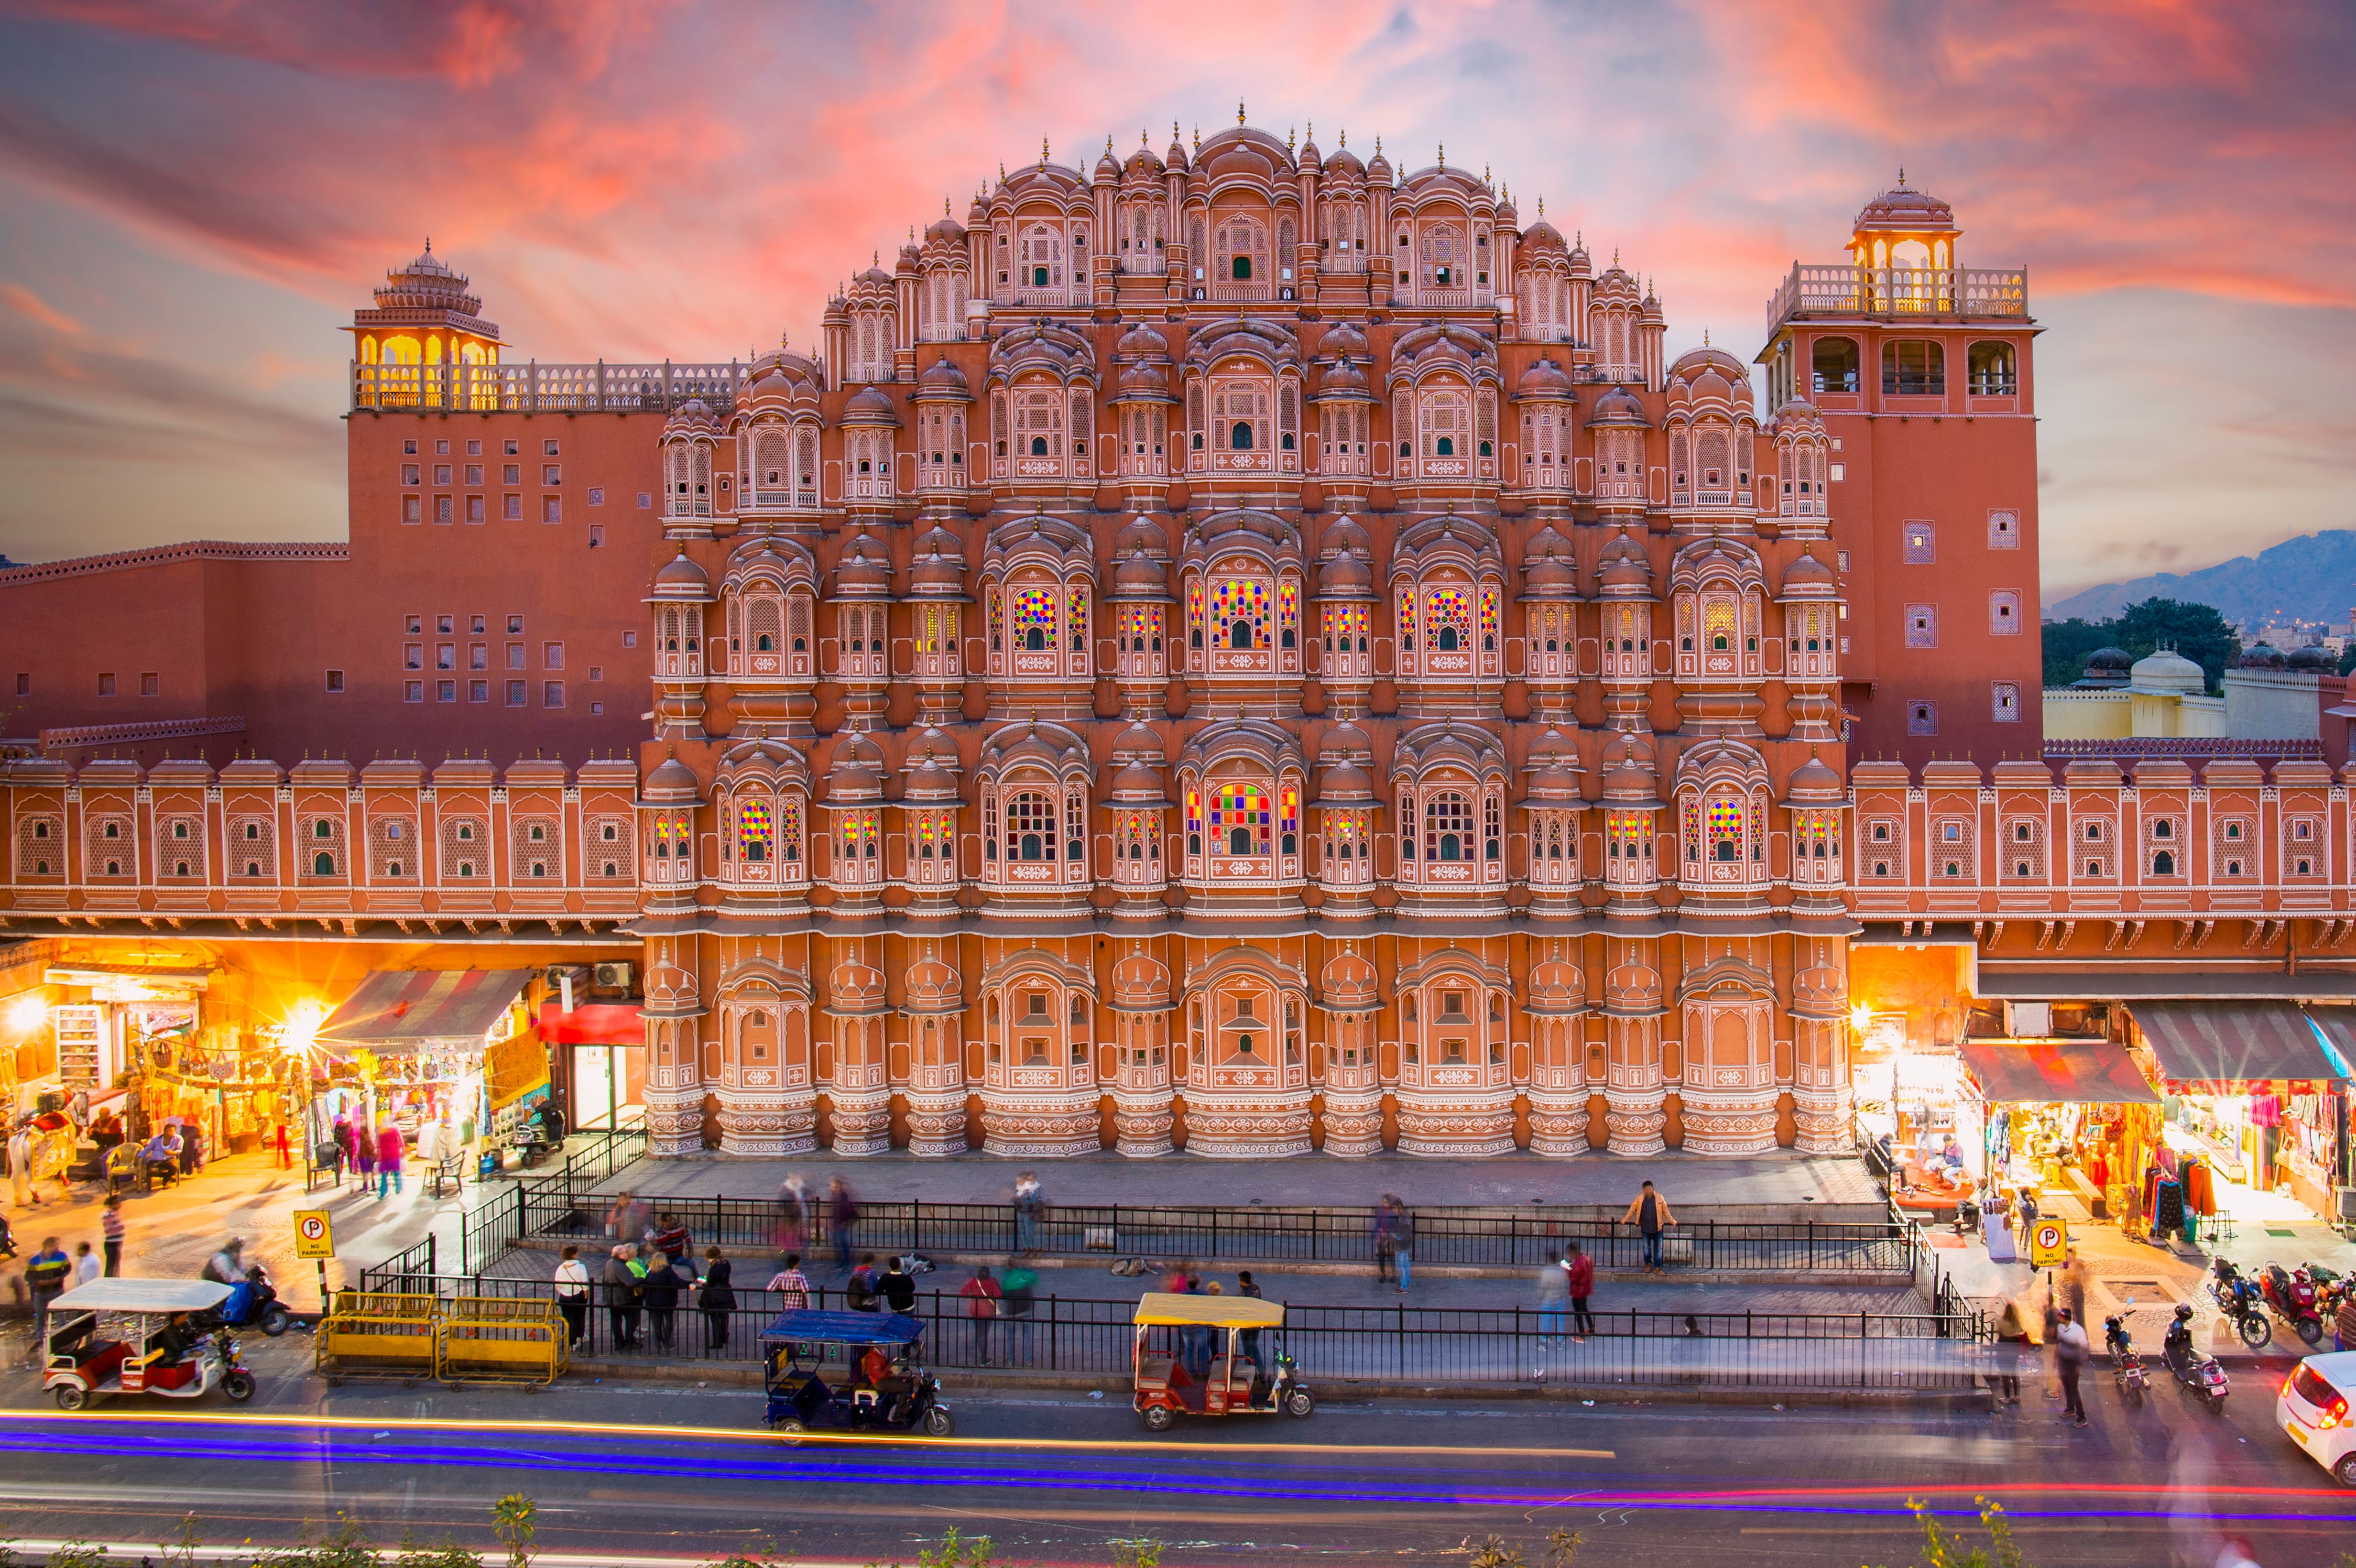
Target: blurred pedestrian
(842, 1216)
(279, 1141)
(716, 1294)
(86, 1264)
(1650, 1214)
(20, 1166)
(1402, 1240)
(571, 1285)
(111, 1229)
(1554, 1296)
(624, 1294)
(671, 1238)
(793, 1212)
(1017, 1293)
(899, 1288)
(388, 1151)
(339, 1139)
(859, 1289)
(1027, 1207)
(2012, 1344)
(1383, 1245)
(363, 1160)
(46, 1276)
(1248, 1340)
(192, 1147)
(981, 1297)
(2070, 1352)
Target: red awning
(2078, 1072)
(591, 1023)
(396, 1010)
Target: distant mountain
(2308, 579)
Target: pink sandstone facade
(1242, 651)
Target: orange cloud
(29, 305)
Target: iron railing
(556, 1210)
(1406, 1344)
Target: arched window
(1447, 826)
(1240, 437)
(2163, 864)
(323, 864)
(1030, 827)
(1240, 269)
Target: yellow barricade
(500, 1340)
(378, 1334)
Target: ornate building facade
(1239, 649)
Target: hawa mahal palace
(1238, 649)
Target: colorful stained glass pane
(790, 815)
(1034, 607)
(1194, 808)
(1288, 603)
(1451, 607)
(1488, 612)
(753, 825)
(1291, 808)
(1079, 621)
(1725, 818)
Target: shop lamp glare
(1861, 1017)
(302, 1027)
(27, 1013)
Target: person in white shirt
(2070, 1352)
(86, 1264)
(572, 1294)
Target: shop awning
(2078, 1072)
(591, 1023)
(2212, 1044)
(2338, 1028)
(2190, 982)
(397, 1010)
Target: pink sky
(197, 195)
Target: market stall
(2256, 1100)
(448, 1056)
(2069, 1122)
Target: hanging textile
(2199, 1189)
(2266, 1110)
(2167, 1207)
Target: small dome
(1346, 576)
(1342, 381)
(1545, 379)
(681, 578)
(1142, 342)
(1148, 380)
(1345, 783)
(1618, 407)
(2112, 658)
(2167, 670)
(1345, 533)
(693, 417)
(1623, 563)
(1807, 572)
(2312, 656)
(426, 283)
(871, 406)
(1813, 781)
(1543, 239)
(943, 379)
(864, 568)
(1906, 209)
(1341, 161)
(1342, 338)
(1139, 536)
(1137, 784)
(945, 229)
(671, 782)
(1140, 574)
(2258, 656)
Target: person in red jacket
(1582, 1285)
(982, 1294)
(389, 1150)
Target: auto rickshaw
(1235, 1340)
(850, 1371)
(134, 1336)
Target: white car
(2313, 1408)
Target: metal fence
(554, 1210)
(1392, 1344)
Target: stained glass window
(1693, 830)
(755, 833)
(1758, 831)
(1407, 618)
(997, 622)
(1718, 624)
(789, 814)
(1034, 611)
(1240, 600)
(1239, 820)
(1287, 604)
(1449, 622)
(1488, 619)
(1079, 620)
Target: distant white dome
(2168, 671)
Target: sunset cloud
(641, 179)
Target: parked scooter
(2190, 1369)
(2293, 1295)
(2331, 1288)
(2126, 1365)
(254, 1303)
(2241, 1303)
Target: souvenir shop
(2066, 1122)
(2255, 1119)
(446, 1056)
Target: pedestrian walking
(671, 1238)
(790, 1285)
(1582, 1285)
(279, 1141)
(1650, 1214)
(981, 1294)
(2073, 1287)
(226, 1266)
(2052, 1336)
(1554, 1300)
(793, 1212)
(899, 1288)
(618, 1219)
(1383, 1246)
(663, 1283)
(624, 1294)
(716, 1297)
(2070, 1351)
(2012, 1346)
(45, 1275)
(192, 1148)
(572, 1295)
(339, 1137)
(389, 1150)
(85, 1265)
(1018, 1297)
(842, 1216)
(1402, 1242)
(1027, 1207)
(363, 1161)
(111, 1229)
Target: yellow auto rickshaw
(1213, 1355)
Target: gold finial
(1140, 137)
(1001, 173)
(1107, 144)
(1043, 152)
(874, 258)
(1379, 144)
(1313, 130)
(1901, 186)
(1174, 133)
(1484, 174)
(944, 204)
(1198, 138)
(1542, 207)
(1345, 135)
(1443, 155)
(1288, 138)
(1239, 111)
(1705, 337)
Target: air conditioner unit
(2031, 1021)
(556, 974)
(613, 977)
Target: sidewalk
(1798, 1187)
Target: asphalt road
(1058, 1478)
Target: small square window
(413, 655)
(412, 691)
(479, 691)
(409, 449)
(475, 514)
(473, 474)
(548, 449)
(2004, 613)
(473, 449)
(1841, 472)
(516, 690)
(412, 511)
(1921, 625)
(596, 496)
(1921, 719)
(514, 655)
(629, 639)
(551, 509)
(335, 680)
(514, 625)
(106, 684)
(412, 475)
(2003, 529)
(474, 624)
(444, 511)
(1921, 543)
(551, 475)
(551, 656)
(1840, 559)
(442, 471)
(596, 536)
(596, 672)
(511, 509)
(551, 693)
(2006, 699)
(147, 684)
(415, 623)
(511, 448)
(24, 685)
(597, 709)
(441, 449)
(445, 691)
(446, 624)
(646, 497)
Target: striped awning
(2072, 1072)
(400, 1011)
(2209, 1047)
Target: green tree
(2196, 631)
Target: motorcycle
(2190, 1369)
(2242, 1304)
(253, 1304)
(2331, 1288)
(2293, 1297)
(2126, 1365)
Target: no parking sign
(315, 1236)
(2049, 1242)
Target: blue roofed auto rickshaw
(861, 1372)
